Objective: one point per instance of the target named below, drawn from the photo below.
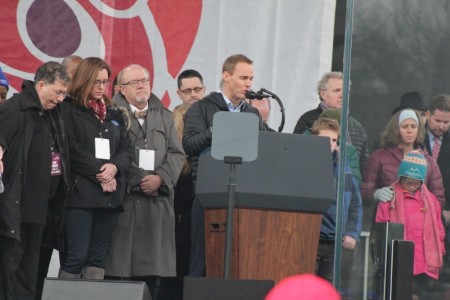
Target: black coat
(356, 133)
(198, 122)
(20, 116)
(443, 162)
(83, 127)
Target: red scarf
(99, 108)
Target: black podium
(279, 201)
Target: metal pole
(343, 140)
(229, 227)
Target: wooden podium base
(267, 244)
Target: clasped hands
(107, 177)
(150, 184)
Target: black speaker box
(401, 270)
(200, 288)
(70, 289)
(381, 235)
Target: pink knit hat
(304, 286)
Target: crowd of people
(110, 182)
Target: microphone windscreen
(250, 94)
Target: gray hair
(322, 85)
(50, 72)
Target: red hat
(304, 286)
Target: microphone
(255, 95)
(2, 187)
(250, 94)
(263, 93)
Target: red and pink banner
(290, 41)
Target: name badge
(56, 165)
(147, 159)
(102, 148)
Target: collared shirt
(323, 106)
(230, 105)
(431, 137)
(134, 108)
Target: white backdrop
(290, 42)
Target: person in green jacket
(351, 152)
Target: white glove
(384, 194)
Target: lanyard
(144, 133)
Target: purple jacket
(381, 170)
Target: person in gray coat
(143, 243)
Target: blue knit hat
(3, 80)
(414, 165)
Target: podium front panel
(293, 172)
(267, 244)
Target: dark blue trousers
(87, 236)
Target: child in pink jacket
(420, 212)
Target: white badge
(102, 148)
(147, 159)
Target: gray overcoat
(143, 242)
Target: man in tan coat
(143, 246)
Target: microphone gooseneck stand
(263, 93)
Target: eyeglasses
(411, 182)
(98, 83)
(135, 83)
(189, 91)
(60, 94)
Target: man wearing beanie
(420, 212)
(4, 86)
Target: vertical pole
(229, 227)
(343, 144)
